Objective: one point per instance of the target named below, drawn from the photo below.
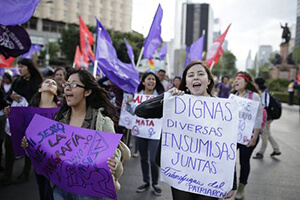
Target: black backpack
(274, 109)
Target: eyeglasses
(72, 85)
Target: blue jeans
(147, 146)
(61, 194)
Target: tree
(70, 39)
(134, 39)
(296, 54)
(226, 65)
(68, 42)
(53, 49)
(263, 72)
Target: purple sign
(14, 41)
(73, 158)
(19, 119)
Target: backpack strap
(251, 95)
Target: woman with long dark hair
(245, 87)
(46, 97)
(20, 93)
(150, 85)
(87, 105)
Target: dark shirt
(24, 88)
(224, 90)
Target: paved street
(270, 179)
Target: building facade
(51, 16)
(199, 19)
(191, 20)
(264, 53)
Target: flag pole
(140, 57)
(95, 68)
(212, 65)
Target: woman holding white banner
(245, 87)
(149, 85)
(196, 80)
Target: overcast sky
(254, 22)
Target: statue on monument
(286, 34)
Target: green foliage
(136, 41)
(70, 39)
(278, 85)
(296, 54)
(226, 65)
(68, 42)
(53, 48)
(263, 72)
(284, 97)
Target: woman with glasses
(87, 105)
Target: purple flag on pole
(153, 39)
(34, 48)
(15, 71)
(187, 59)
(129, 51)
(72, 158)
(2, 71)
(19, 119)
(163, 51)
(196, 49)
(14, 12)
(124, 75)
(14, 41)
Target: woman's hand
(253, 140)
(14, 96)
(112, 164)
(175, 91)
(128, 100)
(24, 143)
(230, 194)
(6, 111)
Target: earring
(187, 89)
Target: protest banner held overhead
(140, 127)
(247, 114)
(19, 119)
(73, 158)
(199, 144)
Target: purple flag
(153, 39)
(15, 71)
(34, 48)
(14, 41)
(19, 119)
(14, 12)
(196, 49)
(2, 71)
(187, 59)
(163, 51)
(124, 75)
(129, 51)
(72, 158)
